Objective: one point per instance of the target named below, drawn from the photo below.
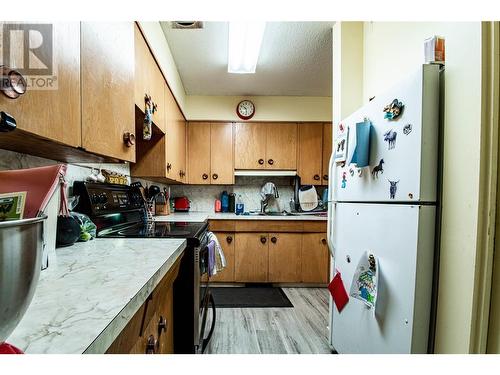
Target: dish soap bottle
(240, 207)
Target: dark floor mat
(233, 297)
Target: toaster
(181, 204)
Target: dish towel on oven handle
(219, 259)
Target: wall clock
(245, 109)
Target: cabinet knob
(270, 161)
(316, 177)
(204, 176)
(325, 177)
(263, 239)
(229, 239)
(182, 173)
(169, 167)
(129, 139)
(323, 241)
(261, 161)
(274, 239)
(162, 325)
(151, 345)
(215, 176)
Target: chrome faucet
(268, 191)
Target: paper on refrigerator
(364, 286)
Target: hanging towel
(211, 259)
(220, 259)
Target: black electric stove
(119, 211)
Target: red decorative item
(338, 292)
(9, 349)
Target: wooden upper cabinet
(251, 254)
(315, 258)
(176, 140)
(148, 79)
(250, 145)
(310, 153)
(55, 113)
(284, 257)
(199, 152)
(222, 153)
(107, 80)
(327, 151)
(281, 146)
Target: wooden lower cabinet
(315, 258)
(251, 253)
(227, 242)
(284, 257)
(150, 331)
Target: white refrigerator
(387, 210)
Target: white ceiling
(295, 60)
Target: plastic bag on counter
(88, 230)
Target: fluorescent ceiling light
(244, 43)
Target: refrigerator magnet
(393, 187)
(393, 110)
(351, 171)
(341, 147)
(344, 180)
(378, 169)
(407, 129)
(338, 292)
(364, 285)
(390, 138)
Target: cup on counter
(218, 205)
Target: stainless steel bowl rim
(16, 223)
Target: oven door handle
(205, 341)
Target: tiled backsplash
(202, 196)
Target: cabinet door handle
(325, 177)
(323, 241)
(316, 177)
(270, 161)
(274, 239)
(263, 239)
(151, 345)
(204, 176)
(229, 239)
(129, 139)
(169, 167)
(162, 325)
(215, 176)
(261, 161)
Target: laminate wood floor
(301, 329)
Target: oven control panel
(96, 198)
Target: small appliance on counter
(308, 198)
(182, 204)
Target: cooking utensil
(308, 198)
(21, 245)
(153, 191)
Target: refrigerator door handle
(331, 206)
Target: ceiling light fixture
(245, 39)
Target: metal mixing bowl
(21, 245)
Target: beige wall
(391, 50)
(223, 108)
(267, 108)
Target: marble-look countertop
(194, 216)
(91, 291)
